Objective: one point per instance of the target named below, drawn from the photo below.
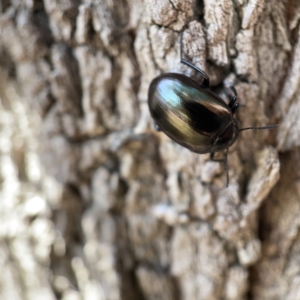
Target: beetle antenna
(265, 127)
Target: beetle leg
(233, 99)
(226, 164)
(227, 169)
(232, 102)
(234, 91)
(212, 158)
(156, 127)
(232, 105)
(205, 83)
(234, 108)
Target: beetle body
(190, 114)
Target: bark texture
(94, 204)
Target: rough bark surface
(94, 204)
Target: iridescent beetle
(192, 115)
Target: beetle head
(227, 137)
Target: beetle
(192, 115)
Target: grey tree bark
(94, 204)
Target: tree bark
(97, 205)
